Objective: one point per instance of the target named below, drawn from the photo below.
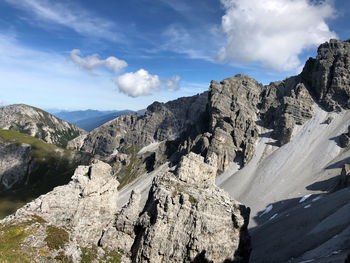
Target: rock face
(38, 123)
(15, 163)
(79, 210)
(233, 115)
(344, 139)
(239, 110)
(328, 76)
(161, 121)
(344, 180)
(225, 123)
(186, 219)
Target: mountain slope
(30, 167)
(38, 123)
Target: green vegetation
(192, 200)
(11, 237)
(88, 254)
(56, 237)
(61, 257)
(10, 243)
(130, 172)
(113, 256)
(40, 148)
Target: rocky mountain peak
(194, 171)
(328, 75)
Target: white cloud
(89, 63)
(141, 83)
(68, 15)
(273, 32)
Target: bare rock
(184, 222)
(344, 139)
(328, 76)
(120, 234)
(344, 180)
(79, 211)
(15, 163)
(232, 117)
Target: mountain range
(243, 172)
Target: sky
(115, 55)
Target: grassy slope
(53, 166)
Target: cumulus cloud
(273, 32)
(141, 83)
(89, 63)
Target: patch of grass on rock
(88, 254)
(56, 237)
(11, 237)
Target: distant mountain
(91, 123)
(89, 119)
(38, 123)
(74, 116)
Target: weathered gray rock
(15, 163)
(344, 177)
(77, 142)
(120, 234)
(295, 108)
(344, 139)
(38, 123)
(233, 115)
(82, 210)
(328, 76)
(188, 219)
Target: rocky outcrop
(77, 142)
(239, 111)
(328, 76)
(15, 163)
(344, 139)
(186, 219)
(284, 105)
(38, 123)
(344, 180)
(79, 211)
(120, 234)
(232, 119)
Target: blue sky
(126, 54)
